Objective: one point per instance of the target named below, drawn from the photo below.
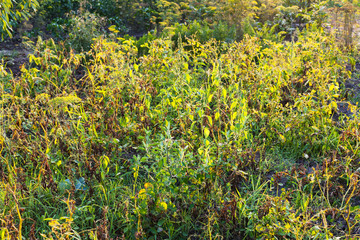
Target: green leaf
(210, 120)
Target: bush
(84, 29)
(201, 31)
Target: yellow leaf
(210, 97)
(224, 92)
(334, 105)
(217, 115)
(206, 132)
(233, 115)
(233, 104)
(188, 78)
(315, 128)
(113, 29)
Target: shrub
(84, 29)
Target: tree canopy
(12, 11)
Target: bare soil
(14, 55)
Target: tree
(12, 11)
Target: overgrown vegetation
(229, 120)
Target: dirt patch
(350, 89)
(352, 85)
(14, 55)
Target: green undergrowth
(209, 140)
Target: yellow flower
(142, 194)
(287, 226)
(148, 185)
(163, 205)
